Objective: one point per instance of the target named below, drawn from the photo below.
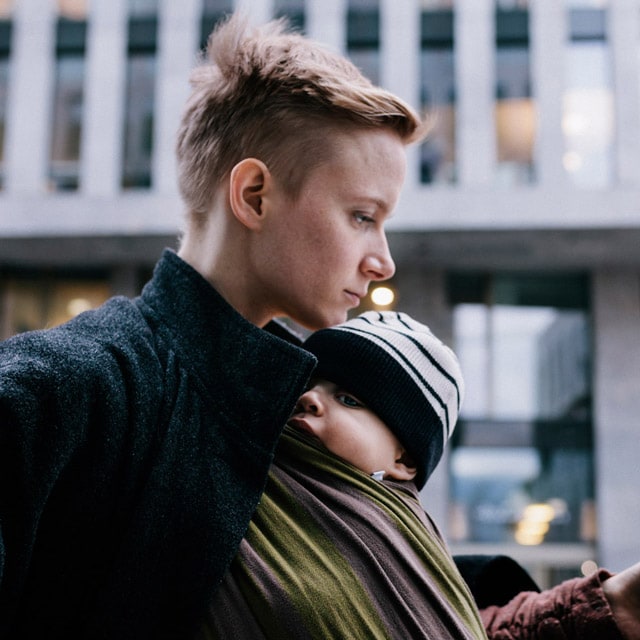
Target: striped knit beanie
(402, 372)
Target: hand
(623, 593)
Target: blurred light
(515, 129)
(73, 9)
(530, 533)
(78, 305)
(575, 124)
(588, 567)
(572, 161)
(382, 296)
(540, 512)
(534, 525)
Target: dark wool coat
(134, 446)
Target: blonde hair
(272, 94)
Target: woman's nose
(379, 265)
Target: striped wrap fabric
(333, 553)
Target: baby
(385, 397)
(340, 546)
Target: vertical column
(616, 309)
(326, 21)
(105, 80)
(400, 61)
(178, 44)
(474, 43)
(548, 31)
(29, 106)
(259, 11)
(422, 294)
(624, 39)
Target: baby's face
(349, 429)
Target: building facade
(517, 237)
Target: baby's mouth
(301, 425)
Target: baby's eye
(348, 400)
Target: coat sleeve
(574, 610)
(48, 399)
(35, 444)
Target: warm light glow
(73, 9)
(588, 567)
(528, 536)
(382, 296)
(515, 129)
(534, 525)
(540, 512)
(78, 305)
(6, 7)
(572, 161)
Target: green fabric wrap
(333, 553)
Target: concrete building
(522, 209)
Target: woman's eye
(348, 400)
(360, 216)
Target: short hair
(273, 94)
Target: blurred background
(517, 237)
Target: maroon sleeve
(576, 609)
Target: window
(521, 458)
(293, 10)
(6, 9)
(67, 122)
(363, 37)
(514, 108)
(4, 86)
(143, 8)
(212, 12)
(68, 101)
(437, 85)
(588, 120)
(140, 94)
(37, 301)
(73, 9)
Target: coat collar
(260, 369)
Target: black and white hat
(402, 372)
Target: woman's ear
(249, 181)
(404, 468)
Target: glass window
(217, 6)
(4, 84)
(212, 12)
(138, 134)
(514, 109)
(73, 9)
(68, 100)
(140, 96)
(30, 303)
(363, 37)
(435, 5)
(522, 453)
(291, 9)
(5, 50)
(143, 8)
(437, 86)
(67, 122)
(512, 4)
(588, 111)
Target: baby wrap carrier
(334, 553)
